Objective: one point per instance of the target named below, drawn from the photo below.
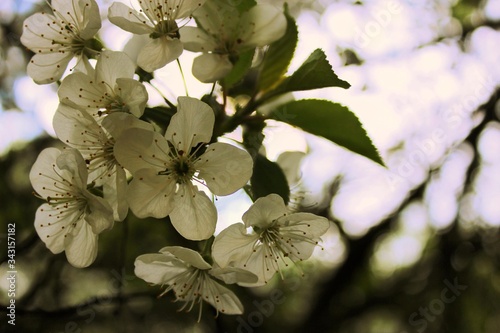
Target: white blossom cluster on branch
(115, 162)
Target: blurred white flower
(223, 33)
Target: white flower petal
(225, 168)
(56, 38)
(48, 67)
(118, 122)
(210, 67)
(290, 162)
(81, 246)
(158, 268)
(137, 148)
(129, 19)
(187, 255)
(226, 301)
(82, 90)
(86, 14)
(52, 229)
(43, 172)
(304, 231)
(150, 194)
(196, 40)
(98, 214)
(194, 215)
(185, 8)
(112, 65)
(264, 211)
(192, 124)
(134, 46)
(159, 52)
(114, 191)
(72, 161)
(219, 19)
(78, 129)
(133, 94)
(262, 25)
(232, 275)
(233, 246)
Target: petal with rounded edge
(225, 302)
(99, 214)
(129, 19)
(192, 124)
(159, 52)
(133, 94)
(51, 228)
(114, 192)
(232, 275)
(196, 40)
(233, 246)
(263, 24)
(78, 129)
(194, 215)
(150, 194)
(48, 67)
(185, 8)
(71, 160)
(224, 168)
(210, 67)
(189, 256)
(138, 148)
(43, 172)
(265, 211)
(118, 122)
(112, 65)
(158, 268)
(81, 245)
(304, 231)
(82, 90)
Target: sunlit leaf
(330, 120)
(316, 72)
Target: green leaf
(242, 5)
(316, 72)
(330, 120)
(268, 178)
(240, 69)
(279, 55)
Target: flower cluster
(115, 161)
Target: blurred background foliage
(413, 247)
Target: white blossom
(78, 129)
(158, 19)
(278, 238)
(59, 37)
(191, 278)
(107, 89)
(223, 33)
(72, 218)
(165, 166)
